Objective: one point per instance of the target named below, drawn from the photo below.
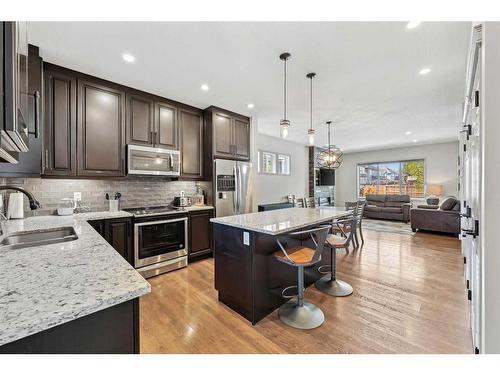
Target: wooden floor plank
(409, 297)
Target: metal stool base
(307, 316)
(336, 287)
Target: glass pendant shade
(310, 135)
(330, 157)
(284, 123)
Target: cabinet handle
(36, 110)
(46, 159)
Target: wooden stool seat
(334, 240)
(298, 254)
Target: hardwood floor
(409, 297)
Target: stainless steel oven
(144, 160)
(160, 244)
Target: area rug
(387, 226)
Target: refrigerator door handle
(235, 194)
(240, 188)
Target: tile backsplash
(136, 191)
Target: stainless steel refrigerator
(232, 187)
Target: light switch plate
(246, 238)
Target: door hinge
(476, 350)
(465, 260)
(472, 232)
(467, 284)
(465, 148)
(469, 295)
(467, 129)
(476, 98)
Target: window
(396, 177)
(273, 163)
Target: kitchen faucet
(34, 204)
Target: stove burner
(149, 211)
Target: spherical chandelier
(330, 157)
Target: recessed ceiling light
(415, 140)
(412, 24)
(408, 132)
(424, 71)
(250, 105)
(128, 57)
(204, 87)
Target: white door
(471, 191)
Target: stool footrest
(321, 269)
(283, 292)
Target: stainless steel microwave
(152, 161)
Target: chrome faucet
(34, 204)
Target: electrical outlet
(77, 196)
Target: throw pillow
(448, 203)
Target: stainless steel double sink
(20, 240)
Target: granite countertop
(281, 221)
(44, 286)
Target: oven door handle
(160, 222)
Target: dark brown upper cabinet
(140, 119)
(227, 134)
(101, 129)
(191, 143)
(165, 132)
(59, 143)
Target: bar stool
(298, 313)
(329, 283)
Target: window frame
(400, 162)
(260, 163)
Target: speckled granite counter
(281, 221)
(45, 286)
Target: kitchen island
(78, 296)
(248, 278)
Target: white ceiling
(367, 72)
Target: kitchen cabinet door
(101, 130)
(191, 143)
(30, 163)
(118, 234)
(241, 138)
(223, 135)
(140, 124)
(59, 143)
(165, 126)
(98, 225)
(200, 233)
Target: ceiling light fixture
(330, 157)
(311, 131)
(284, 123)
(424, 71)
(408, 132)
(128, 57)
(204, 87)
(250, 105)
(415, 140)
(412, 24)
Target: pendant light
(284, 123)
(311, 131)
(330, 157)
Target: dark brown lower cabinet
(118, 233)
(114, 330)
(200, 233)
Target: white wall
(490, 207)
(440, 166)
(274, 188)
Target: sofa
(444, 218)
(391, 207)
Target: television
(326, 177)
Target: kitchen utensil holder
(113, 205)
